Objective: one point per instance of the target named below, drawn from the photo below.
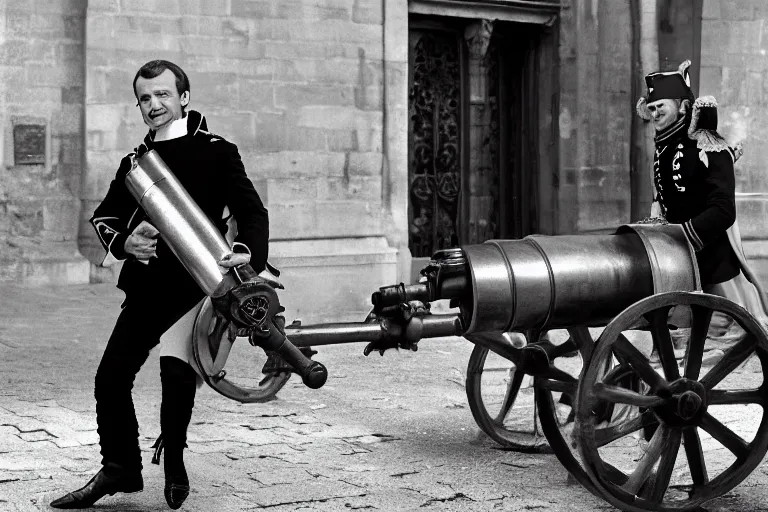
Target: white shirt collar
(173, 130)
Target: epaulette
(703, 127)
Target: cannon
(631, 417)
(242, 300)
(640, 279)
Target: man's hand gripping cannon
(243, 301)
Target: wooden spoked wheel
(505, 399)
(229, 364)
(555, 400)
(558, 419)
(695, 431)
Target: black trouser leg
(137, 331)
(126, 352)
(179, 387)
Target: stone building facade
(340, 108)
(734, 69)
(42, 143)
(299, 86)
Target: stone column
(395, 135)
(595, 118)
(646, 45)
(478, 37)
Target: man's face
(159, 100)
(664, 113)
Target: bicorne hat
(673, 85)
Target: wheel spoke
(659, 442)
(554, 373)
(663, 473)
(725, 436)
(730, 361)
(559, 350)
(509, 396)
(695, 455)
(583, 339)
(702, 317)
(620, 395)
(567, 388)
(537, 431)
(606, 435)
(663, 342)
(736, 396)
(640, 364)
(618, 355)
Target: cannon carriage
(631, 417)
(587, 394)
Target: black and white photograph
(384, 255)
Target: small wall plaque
(29, 144)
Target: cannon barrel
(545, 282)
(559, 281)
(431, 326)
(189, 233)
(199, 246)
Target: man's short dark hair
(154, 68)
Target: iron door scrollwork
(434, 173)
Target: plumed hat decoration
(703, 128)
(674, 85)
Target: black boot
(176, 480)
(109, 480)
(179, 387)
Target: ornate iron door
(473, 134)
(435, 141)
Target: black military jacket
(212, 172)
(696, 188)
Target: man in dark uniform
(694, 181)
(693, 175)
(158, 289)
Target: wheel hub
(686, 406)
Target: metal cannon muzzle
(189, 233)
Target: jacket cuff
(115, 251)
(692, 236)
(117, 247)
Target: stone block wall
(595, 115)
(42, 79)
(298, 85)
(734, 69)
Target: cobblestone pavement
(385, 433)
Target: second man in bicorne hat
(694, 185)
